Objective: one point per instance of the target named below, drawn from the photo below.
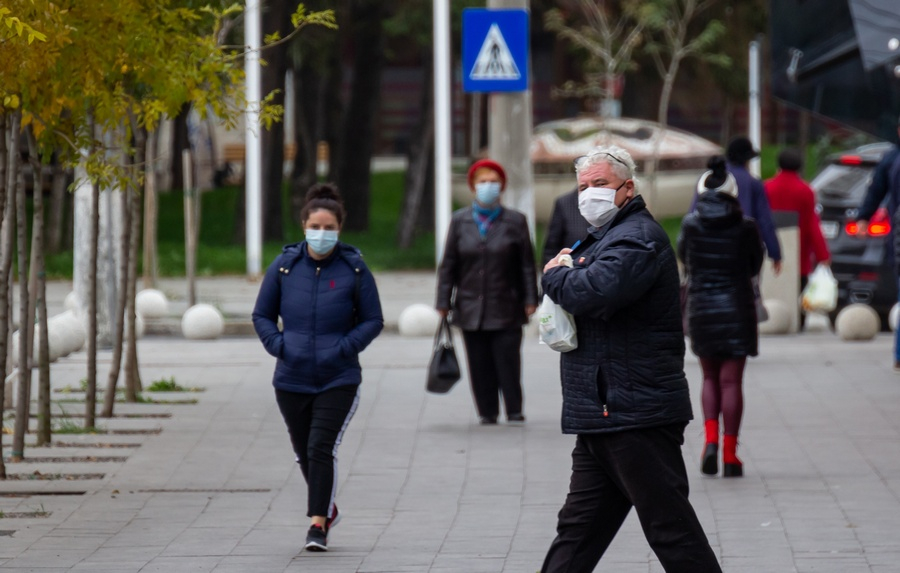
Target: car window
(842, 182)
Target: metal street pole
(755, 124)
(442, 145)
(509, 138)
(252, 142)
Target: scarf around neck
(484, 216)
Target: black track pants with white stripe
(316, 424)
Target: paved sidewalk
(424, 488)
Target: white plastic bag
(821, 292)
(556, 326)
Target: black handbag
(443, 370)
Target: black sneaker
(515, 419)
(488, 420)
(316, 539)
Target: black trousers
(495, 367)
(316, 423)
(613, 472)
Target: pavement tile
(424, 488)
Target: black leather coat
(721, 250)
(487, 282)
(628, 370)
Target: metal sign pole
(442, 145)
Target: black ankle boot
(710, 464)
(732, 470)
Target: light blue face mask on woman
(321, 241)
(487, 192)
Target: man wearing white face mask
(625, 395)
(487, 278)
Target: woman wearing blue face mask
(330, 311)
(487, 278)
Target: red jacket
(788, 192)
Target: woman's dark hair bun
(323, 196)
(324, 191)
(717, 166)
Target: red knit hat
(487, 164)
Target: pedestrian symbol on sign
(494, 61)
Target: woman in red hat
(487, 279)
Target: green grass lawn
(219, 254)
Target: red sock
(729, 453)
(712, 431)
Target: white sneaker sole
(315, 546)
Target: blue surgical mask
(487, 192)
(321, 241)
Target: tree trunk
(276, 18)
(180, 142)
(109, 397)
(420, 157)
(90, 399)
(151, 219)
(652, 167)
(4, 273)
(354, 158)
(44, 420)
(23, 394)
(132, 372)
(57, 207)
(306, 98)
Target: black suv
(861, 263)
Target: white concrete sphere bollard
(779, 321)
(151, 303)
(857, 322)
(61, 327)
(71, 302)
(56, 343)
(202, 322)
(418, 320)
(893, 316)
(73, 331)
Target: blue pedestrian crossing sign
(495, 50)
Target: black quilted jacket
(628, 369)
(721, 250)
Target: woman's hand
(444, 312)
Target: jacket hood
(718, 210)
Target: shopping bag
(762, 314)
(443, 370)
(556, 326)
(821, 292)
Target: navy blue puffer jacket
(322, 338)
(628, 369)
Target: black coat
(628, 369)
(566, 227)
(721, 250)
(487, 281)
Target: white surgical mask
(598, 204)
(487, 192)
(321, 241)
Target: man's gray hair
(613, 155)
